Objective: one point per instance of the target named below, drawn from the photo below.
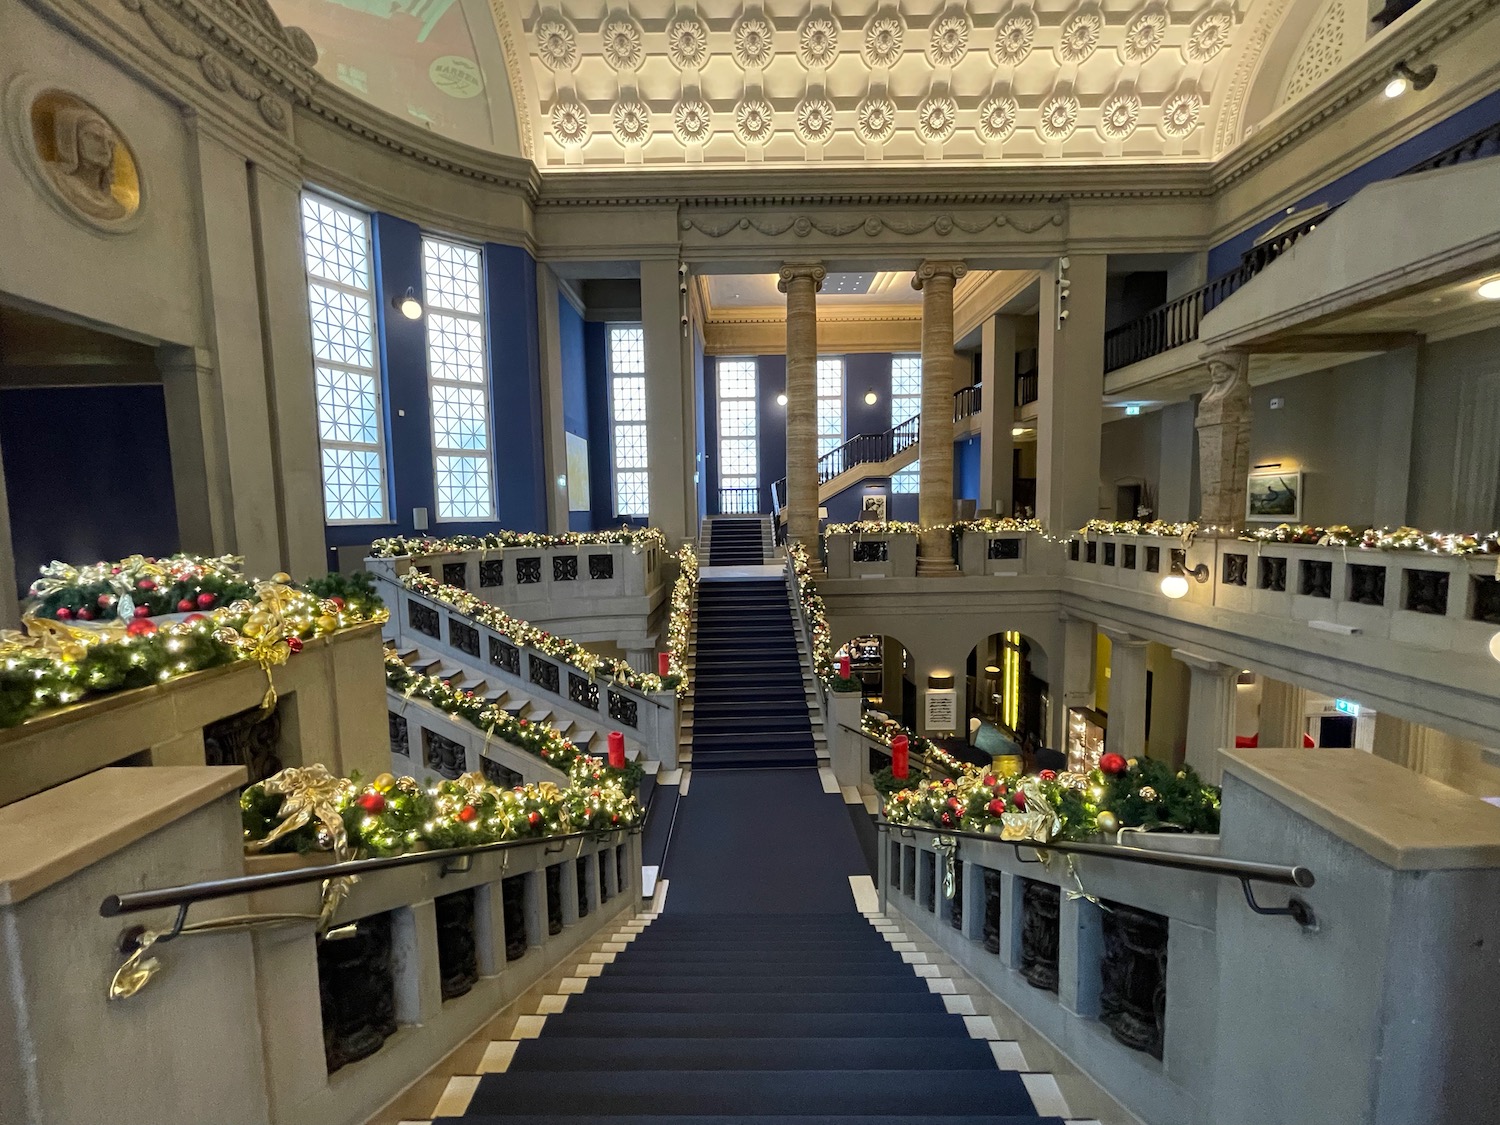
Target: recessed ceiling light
(1490, 290)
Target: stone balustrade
(431, 745)
(648, 720)
(275, 1026)
(893, 554)
(1186, 1006)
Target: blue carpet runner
(760, 996)
(736, 541)
(749, 696)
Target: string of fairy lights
(680, 618)
(400, 546)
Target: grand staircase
(789, 1019)
(736, 540)
(750, 705)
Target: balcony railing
(966, 402)
(861, 449)
(1026, 388)
(739, 501)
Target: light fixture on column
(1495, 646)
(1406, 78)
(1175, 585)
(1063, 286)
(871, 397)
(781, 399)
(1490, 290)
(408, 305)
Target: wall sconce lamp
(871, 397)
(781, 399)
(1405, 77)
(939, 681)
(1175, 585)
(408, 305)
(1495, 646)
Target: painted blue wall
(1392, 162)
(575, 394)
(596, 380)
(89, 475)
(864, 373)
(772, 429)
(966, 468)
(515, 391)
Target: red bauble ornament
(294, 643)
(372, 802)
(953, 802)
(533, 818)
(206, 600)
(85, 614)
(193, 619)
(997, 806)
(185, 605)
(1112, 764)
(338, 601)
(143, 611)
(1048, 775)
(106, 600)
(991, 780)
(467, 813)
(64, 613)
(146, 584)
(1018, 799)
(142, 627)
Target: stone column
(1283, 711)
(1224, 440)
(671, 435)
(935, 279)
(1126, 734)
(195, 437)
(554, 441)
(1211, 702)
(1073, 684)
(800, 281)
(1404, 742)
(1070, 384)
(997, 414)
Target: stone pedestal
(935, 279)
(1224, 440)
(800, 281)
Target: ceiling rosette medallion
(753, 121)
(1057, 118)
(884, 38)
(1181, 113)
(1144, 35)
(687, 42)
(624, 46)
(818, 42)
(570, 124)
(997, 118)
(556, 44)
(1079, 37)
(692, 121)
(1014, 37)
(1209, 35)
(815, 120)
(1118, 116)
(876, 119)
(937, 117)
(948, 41)
(753, 43)
(630, 121)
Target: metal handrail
(967, 401)
(861, 449)
(186, 894)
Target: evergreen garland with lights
(152, 587)
(680, 619)
(401, 546)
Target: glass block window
(346, 365)
(906, 388)
(908, 479)
(830, 403)
(627, 404)
(739, 461)
(458, 379)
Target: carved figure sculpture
(84, 170)
(1223, 424)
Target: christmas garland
(884, 730)
(53, 662)
(1161, 528)
(535, 738)
(400, 546)
(308, 810)
(872, 527)
(1141, 793)
(992, 525)
(526, 634)
(147, 587)
(680, 620)
(986, 526)
(1379, 539)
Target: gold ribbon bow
(310, 794)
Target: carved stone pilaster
(800, 281)
(1224, 440)
(935, 281)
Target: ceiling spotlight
(1405, 77)
(870, 397)
(781, 399)
(1490, 290)
(408, 305)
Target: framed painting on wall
(1274, 495)
(578, 473)
(873, 510)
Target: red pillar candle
(844, 667)
(616, 750)
(900, 757)
(663, 664)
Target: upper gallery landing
(601, 83)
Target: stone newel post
(800, 281)
(1224, 440)
(935, 279)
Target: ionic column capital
(794, 271)
(950, 268)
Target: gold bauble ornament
(385, 782)
(327, 624)
(281, 576)
(254, 628)
(1148, 793)
(1108, 822)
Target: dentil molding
(872, 225)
